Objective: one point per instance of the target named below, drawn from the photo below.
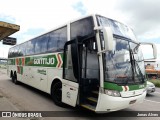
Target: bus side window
(57, 39)
(83, 27)
(52, 43)
(10, 53)
(16, 49)
(44, 41)
(62, 39)
(22, 50)
(41, 44)
(30, 47)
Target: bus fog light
(112, 93)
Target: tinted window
(15, 51)
(22, 49)
(41, 44)
(57, 39)
(82, 27)
(10, 52)
(30, 47)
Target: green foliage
(3, 66)
(156, 82)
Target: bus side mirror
(150, 49)
(108, 38)
(108, 42)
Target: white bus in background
(94, 62)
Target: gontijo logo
(55, 60)
(44, 61)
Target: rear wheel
(12, 77)
(57, 93)
(15, 79)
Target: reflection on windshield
(125, 64)
(120, 65)
(117, 27)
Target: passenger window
(22, 50)
(41, 44)
(16, 50)
(30, 47)
(82, 28)
(57, 39)
(10, 53)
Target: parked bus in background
(94, 62)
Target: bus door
(71, 73)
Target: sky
(39, 16)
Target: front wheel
(57, 93)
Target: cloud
(44, 15)
(148, 52)
(4, 50)
(35, 17)
(79, 6)
(143, 15)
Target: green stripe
(20, 61)
(113, 86)
(44, 61)
(11, 61)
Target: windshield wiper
(134, 63)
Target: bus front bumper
(109, 103)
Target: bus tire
(12, 77)
(15, 79)
(11, 74)
(56, 93)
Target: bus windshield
(117, 27)
(124, 65)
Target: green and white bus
(94, 62)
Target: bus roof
(7, 29)
(57, 27)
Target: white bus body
(94, 62)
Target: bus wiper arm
(134, 63)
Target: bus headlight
(112, 93)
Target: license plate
(132, 102)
